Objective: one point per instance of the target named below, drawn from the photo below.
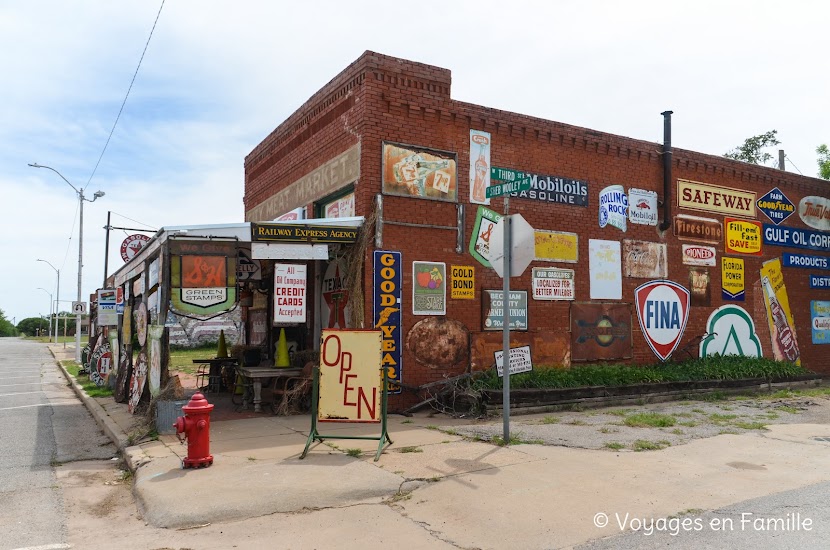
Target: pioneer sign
(663, 310)
(714, 198)
(695, 254)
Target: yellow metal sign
(463, 281)
(743, 237)
(732, 279)
(556, 246)
(779, 315)
(695, 195)
(350, 382)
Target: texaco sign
(663, 310)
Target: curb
(107, 425)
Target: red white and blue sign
(663, 311)
(776, 206)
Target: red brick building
(356, 132)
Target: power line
(794, 166)
(135, 221)
(125, 97)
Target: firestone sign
(663, 311)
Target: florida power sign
(663, 310)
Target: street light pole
(57, 295)
(81, 199)
(50, 311)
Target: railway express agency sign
(663, 310)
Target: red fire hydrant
(195, 425)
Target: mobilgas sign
(819, 281)
(803, 260)
(663, 310)
(796, 238)
(776, 206)
(555, 189)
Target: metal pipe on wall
(667, 176)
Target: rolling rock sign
(663, 311)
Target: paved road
(42, 424)
(792, 519)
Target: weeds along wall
(380, 99)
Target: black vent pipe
(667, 162)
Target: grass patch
(650, 420)
(787, 409)
(716, 418)
(398, 497)
(431, 427)
(727, 432)
(515, 439)
(678, 431)
(410, 450)
(683, 415)
(614, 445)
(714, 396)
(607, 430)
(577, 422)
(751, 425)
(354, 452)
(620, 412)
(688, 423)
(91, 389)
(699, 411)
(407, 421)
(646, 445)
(772, 415)
(708, 368)
(549, 420)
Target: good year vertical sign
(387, 291)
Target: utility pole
(781, 160)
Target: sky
(219, 76)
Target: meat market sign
(694, 195)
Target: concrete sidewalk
(464, 492)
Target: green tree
(6, 327)
(31, 325)
(752, 149)
(823, 161)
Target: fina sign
(663, 310)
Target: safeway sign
(663, 310)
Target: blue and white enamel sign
(663, 311)
(776, 206)
(819, 281)
(613, 207)
(805, 261)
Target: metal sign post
(506, 326)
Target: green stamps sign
(429, 288)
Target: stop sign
(522, 249)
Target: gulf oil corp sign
(663, 311)
(387, 307)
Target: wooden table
(253, 377)
(215, 372)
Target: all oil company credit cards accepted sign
(387, 308)
(663, 311)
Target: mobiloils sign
(663, 311)
(555, 189)
(796, 238)
(613, 207)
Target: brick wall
(405, 102)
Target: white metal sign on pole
(511, 251)
(79, 308)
